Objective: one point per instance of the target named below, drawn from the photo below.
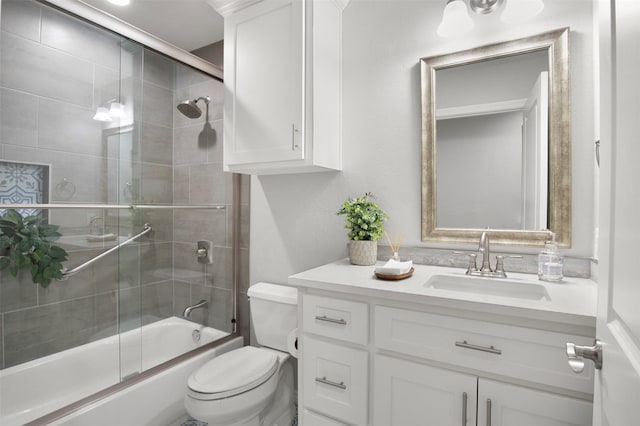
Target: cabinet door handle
(464, 409)
(293, 137)
(331, 320)
(324, 380)
(489, 349)
(488, 412)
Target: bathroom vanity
(441, 348)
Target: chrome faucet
(485, 268)
(188, 309)
(483, 248)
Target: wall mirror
(496, 146)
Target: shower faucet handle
(204, 253)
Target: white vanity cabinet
(367, 361)
(282, 63)
(334, 367)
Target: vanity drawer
(309, 418)
(335, 380)
(519, 352)
(335, 318)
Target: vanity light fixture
(457, 22)
(455, 19)
(102, 114)
(516, 11)
(115, 110)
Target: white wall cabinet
(417, 367)
(282, 108)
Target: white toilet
(251, 386)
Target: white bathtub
(33, 389)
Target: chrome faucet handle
(473, 265)
(500, 264)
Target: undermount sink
(489, 286)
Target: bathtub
(33, 389)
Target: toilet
(251, 386)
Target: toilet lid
(234, 372)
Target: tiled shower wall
(54, 72)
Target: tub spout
(188, 309)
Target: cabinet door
(407, 393)
(502, 404)
(263, 83)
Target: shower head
(190, 109)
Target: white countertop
(571, 302)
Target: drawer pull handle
(324, 380)
(490, 349)
(331, 320)
(464, 409)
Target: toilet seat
(232, 373)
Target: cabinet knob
(576, 355)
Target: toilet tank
(273, 313)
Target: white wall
(293, 221)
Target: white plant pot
(363, 253)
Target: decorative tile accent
(24, 183)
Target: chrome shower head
(190, 109)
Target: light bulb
(116, 110)
(516, 11)
(455, 19)
(102, 114)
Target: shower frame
(101, 19)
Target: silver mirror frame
(557, 44)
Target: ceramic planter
(364, 253)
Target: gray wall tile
(18, 118)
(69, 128)
(40, 70)
(191, 145)
(208, 184)
(157, 184)
(157, 104)
(21, 17)
(158, 69)
(194, 225)
(80, 39)
(17, 293)
(185, 263)
(156, 144)
(181, 184)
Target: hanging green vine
(26, 243)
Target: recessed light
(119, 2)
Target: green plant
(364, 218)
(26, 243)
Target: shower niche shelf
(282, 77)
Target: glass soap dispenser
(550, 263)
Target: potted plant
(25, 242)
(365, 221)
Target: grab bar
(68, 272)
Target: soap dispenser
(550, 262)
